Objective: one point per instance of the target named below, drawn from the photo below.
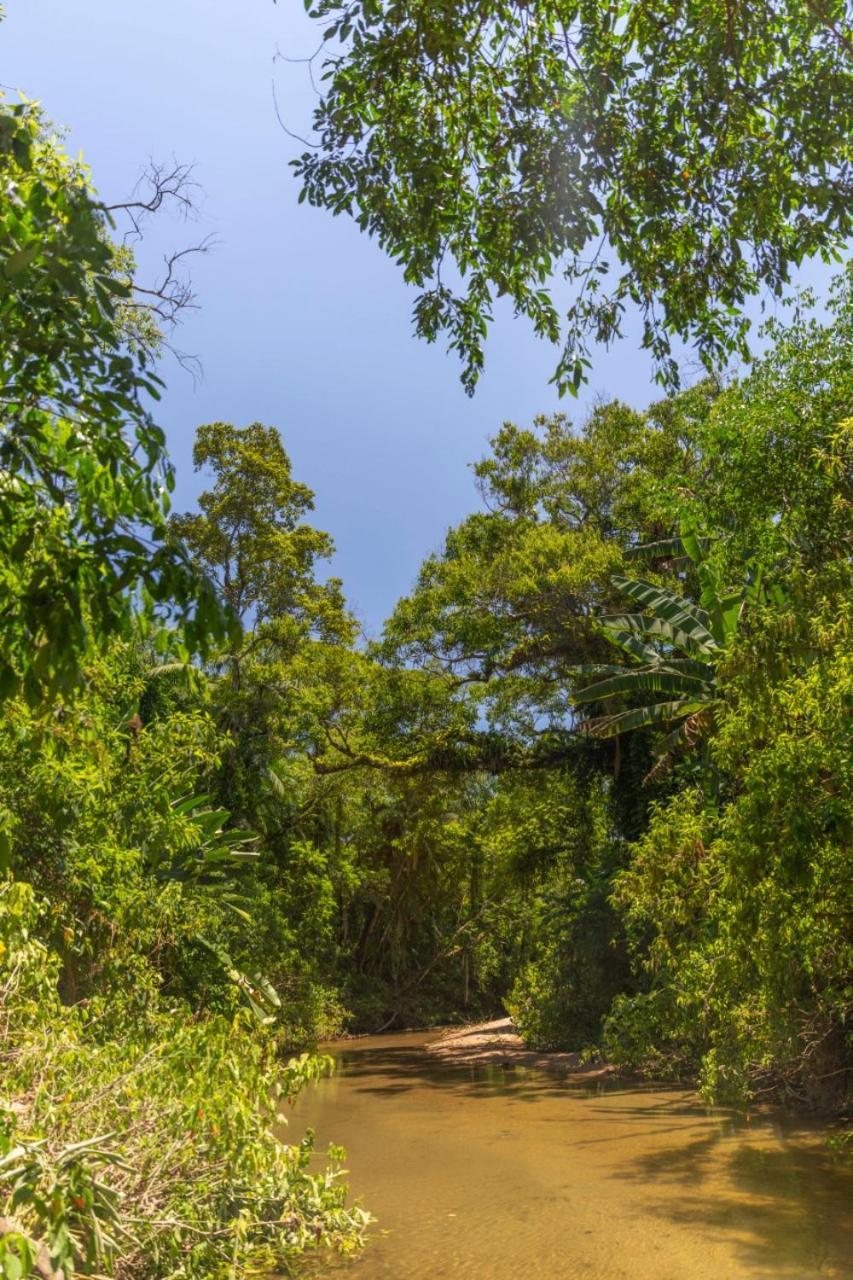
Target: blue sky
(302, 322)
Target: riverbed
(484, 1173)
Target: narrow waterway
(485, 1174)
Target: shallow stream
(478, 1173)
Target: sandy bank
(498, 1044)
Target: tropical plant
(151, 1153)
(738, 917)
(678, 646)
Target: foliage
(250, 536)
(677, 159)
(678, 646)
(735, 910)
(738, 915)
(160, 936)
(249, 533)
(209, 860)
(84, 477)
(576, 959)
(738, 918)
(432, 833)
(152, 1154)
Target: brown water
(484, 1174)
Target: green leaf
(617, 625)
(20, 260)
(685, 617)
(623, 721)
(634, 683)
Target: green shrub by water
(150, 1152)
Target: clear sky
(302, 322)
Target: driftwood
(43, 1267)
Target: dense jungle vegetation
(596, 770)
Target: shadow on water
(397, 1069)
(786, 1207)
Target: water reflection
(480, 1173)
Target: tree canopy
(679, 158)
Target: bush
(739, 914)
(150, 1154)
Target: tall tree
(678, 156)
(251, 537)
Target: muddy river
(480, 1173)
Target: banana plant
(677, 647)
(195, 844)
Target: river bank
(497, 1043)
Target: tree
(738, 916)
(84, 476)
(738, 911)
(678, 157)
(127, 964)
(505, 614)
(250, 537)
(249, 534)
(126, 969)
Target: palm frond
(657, 713)
(627, 639)
(666, 549)
(684, 616)
(276, 783)
(632, 683)
(641, 624)
(690, 666)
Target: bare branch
(158, 184)
(163, 301)
(315, 146)
(173, 293)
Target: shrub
(151, 1154)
